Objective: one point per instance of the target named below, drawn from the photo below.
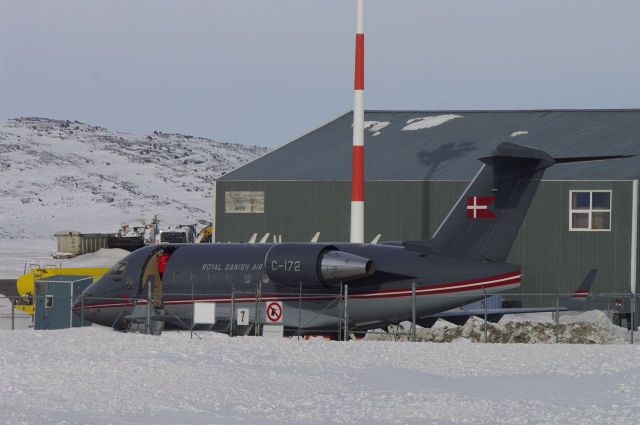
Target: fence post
(148, 324)
(233, 307)
(340, 298)
(13, 314)
(81, 309)
(299, 310)
(193, 305)
(485, 313)
(633, 315)
(557, 317)
(346, 313)
(256, 329)
(413, 311)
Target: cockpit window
(117, 270)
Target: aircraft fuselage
(250, 275)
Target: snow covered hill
(66, 175)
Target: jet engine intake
(314, 264)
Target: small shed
(76, 243)
(54, 299)
(69, 241)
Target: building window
(590, 210)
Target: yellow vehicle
(205, 235)
(27, 282)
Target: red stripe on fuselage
(453, 287)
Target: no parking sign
(274, 312)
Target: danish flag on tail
(478, 207)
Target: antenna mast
(357, 167)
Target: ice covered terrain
(97, 376)
(66, 175)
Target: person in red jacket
(163, 258)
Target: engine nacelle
(314, 264)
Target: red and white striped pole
(357, 170)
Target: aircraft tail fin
(485, 221)
(577, 300)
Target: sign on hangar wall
(244, 202)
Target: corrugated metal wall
(551, 255)
(554, 257)
(298, 209)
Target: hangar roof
(445, 145)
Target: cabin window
(118, 269)
(590, 210)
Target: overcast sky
(265, 72)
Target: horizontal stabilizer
(571, 160)
(460, 316)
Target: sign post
(273, 316)
(274, 312)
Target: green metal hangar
(417, 164)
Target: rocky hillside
(66, 175)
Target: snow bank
(102, 258)
(590, 327)
(428, 122)
(529, 332)
(95, 375)
(16, 253)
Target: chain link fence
(527, 318)
(12, 318)
(505, 318)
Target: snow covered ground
(97, 376)
(15, 253)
